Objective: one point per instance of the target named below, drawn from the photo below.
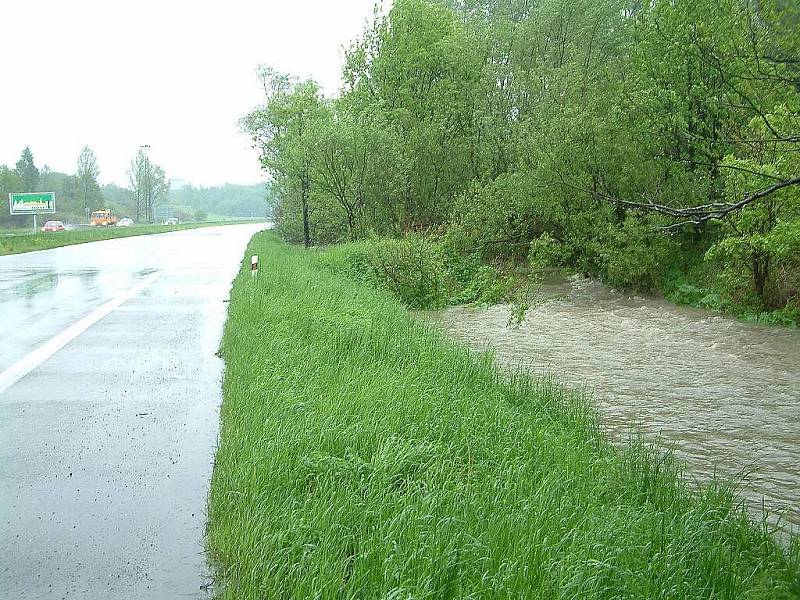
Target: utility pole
(148, 208)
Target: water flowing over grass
(364, 456)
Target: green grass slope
(364, 456)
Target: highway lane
(109, 398)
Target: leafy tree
(623, 139)
(27, 171)
(359, 167)
(148, 184)
(417, 73)
(284, 130)
(10, 182)
(87, 173)
(762, 233)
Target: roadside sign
(31, 203)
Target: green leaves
(27, 172)
(513, 126)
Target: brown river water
(723, 395)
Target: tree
(284, 130)
(27, 171)
(10, 182)
(625, 139)
(358, 165)
(704, 71)
(149, 185)
(417, 73)
(87, 175)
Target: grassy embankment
(18, 243)
(363, 455)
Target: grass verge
(17, 244)
(364, 456)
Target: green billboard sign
(31, 203)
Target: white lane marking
(21, 368)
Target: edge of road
(14, 245)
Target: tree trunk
(760, 275)
(304, 198)
(351, 226)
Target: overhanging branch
(694, 215)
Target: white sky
(175, 74)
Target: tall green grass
(364, 456)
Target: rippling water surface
(724, 395)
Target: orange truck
(103, 218)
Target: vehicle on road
(171, 221)
(103, 218)
(53, 226)
(126, 222)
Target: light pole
(143, 148)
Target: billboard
(31, 203)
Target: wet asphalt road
(106, 447)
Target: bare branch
(691, 215)
(697, 215)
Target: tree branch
(697, 215)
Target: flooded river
(723, 395)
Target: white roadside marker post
(254, 265)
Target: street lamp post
(147, 200)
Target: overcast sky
(174, 74)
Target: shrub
(419, 270)
(412, 268)
(632, 256)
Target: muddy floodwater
(724, 395)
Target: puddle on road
(35, 283)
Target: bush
(473, 280)
(633, 256)
(419, 270)
(545, 251)
(413, 268)
(788, 316)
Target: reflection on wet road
(724, 394)
(37, 302)
(108, 438)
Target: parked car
(171, 221)
(126, 222)
(53, 226)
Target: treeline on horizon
(148, 195)
(655, 145)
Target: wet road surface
(109, 397)
(724, 395)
